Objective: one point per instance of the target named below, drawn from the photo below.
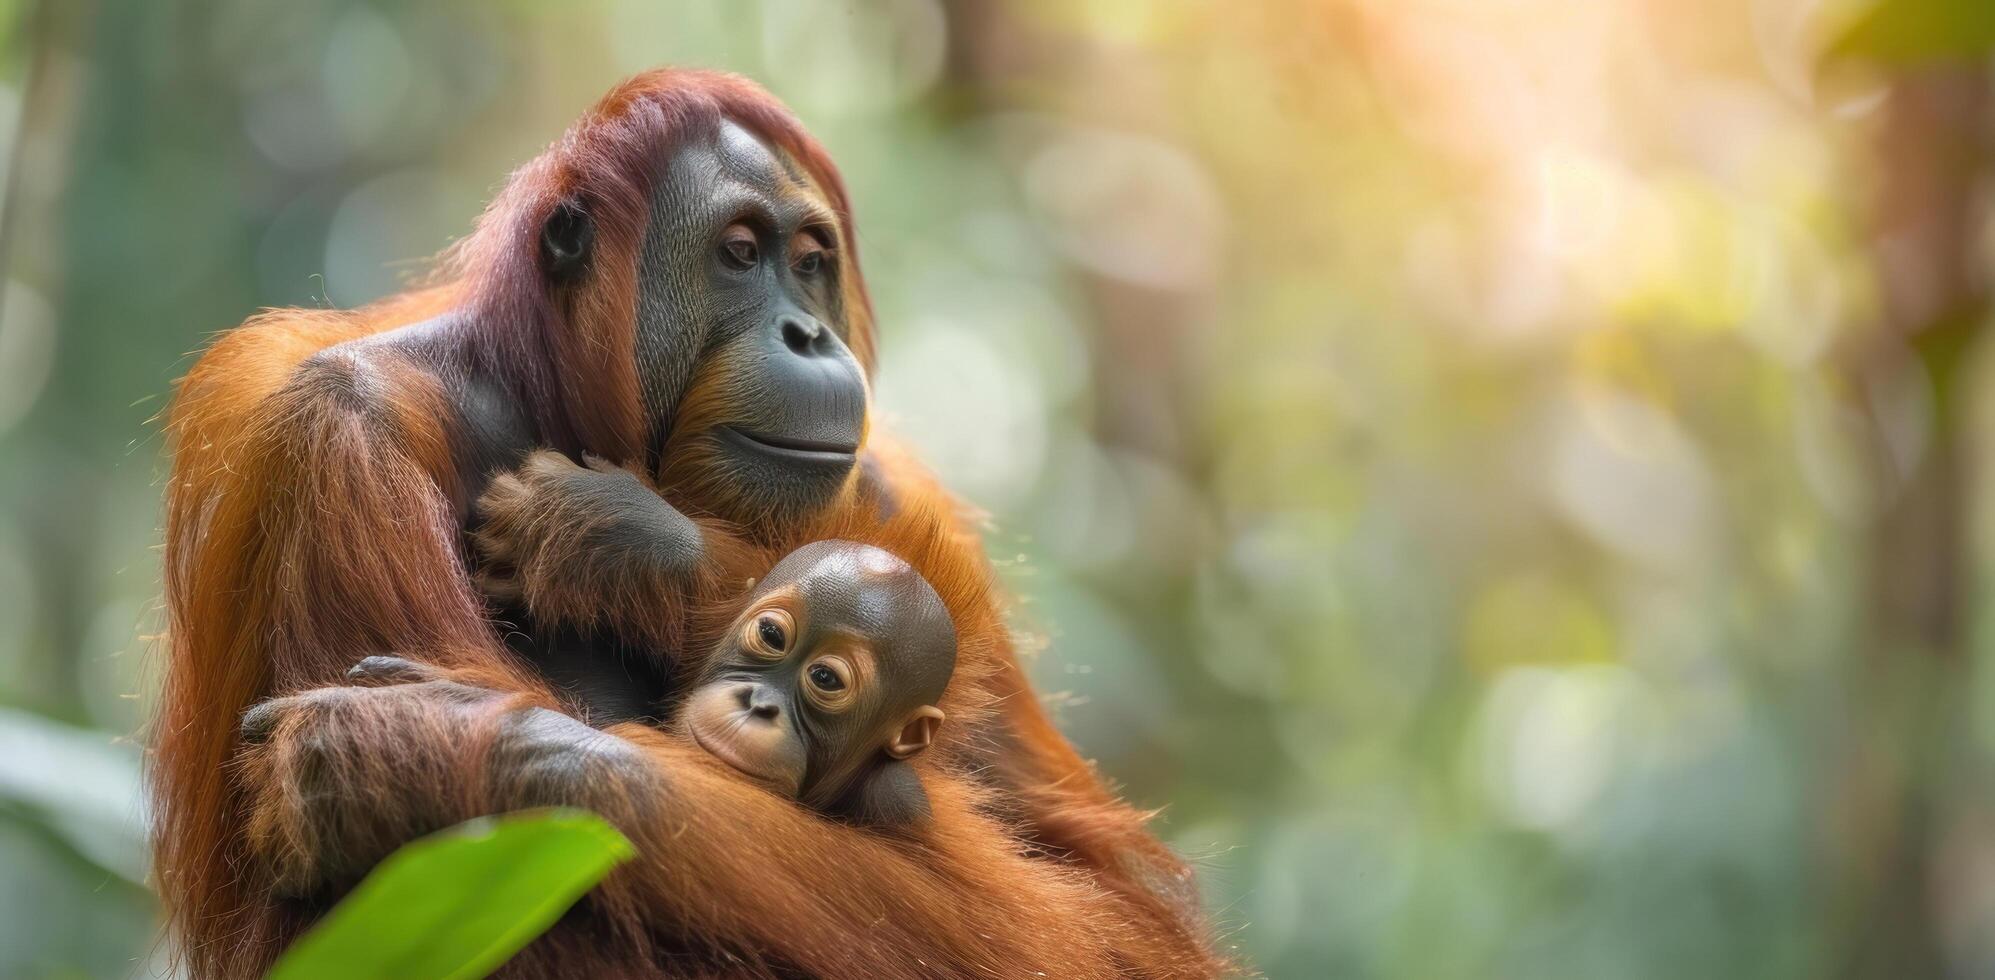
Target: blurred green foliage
(1424, 433)
(1919, 30)
(457, 904)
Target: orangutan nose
(761, 702)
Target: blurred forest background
(1504, 476)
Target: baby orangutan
(827, 682)
(823, 686)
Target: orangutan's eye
(767, 636)
(825, 679)
(738, 248)
(771, 632)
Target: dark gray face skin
(740, 290)
(828, 678)
(739, 265)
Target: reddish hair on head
(324, 472)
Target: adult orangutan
(672, 286)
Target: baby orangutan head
(827, 682)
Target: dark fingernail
(381, 668)
(259, 722)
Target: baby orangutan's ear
(916, 734)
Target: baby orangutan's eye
(768, 634)
(826, 679)
(830, 684)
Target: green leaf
(1914, 31)
(459, 903)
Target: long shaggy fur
(315, 517)
(547, 545)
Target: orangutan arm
(317, 525)
(596, 547)
(726, 867)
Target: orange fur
(535, 539)
(314, 517)
(996, 723)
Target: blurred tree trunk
(1906, 695)
(1001, 61)
(41, 40)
